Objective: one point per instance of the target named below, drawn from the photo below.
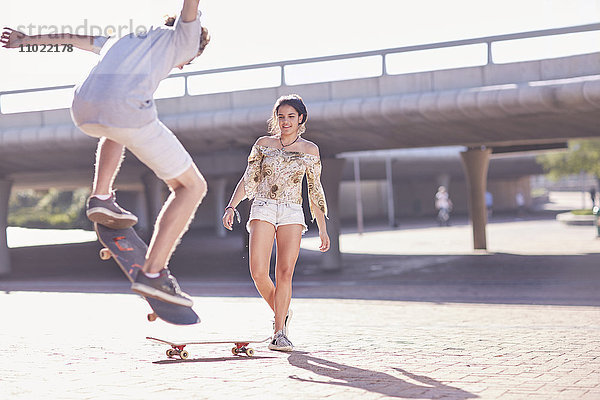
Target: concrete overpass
(481, 107)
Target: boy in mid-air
(115, 104)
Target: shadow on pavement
(374, 381)
(215, 359)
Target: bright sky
(247, 32)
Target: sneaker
(286, 323)
(280, 342)
(164, 288)
(109, 213)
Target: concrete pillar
(155, 193)
(217, 187)
(475, 163)
(135, 201)
(358, 197)
(330, 179)
(141, 210)
(444, 180)
(390, 193)
(5, 186)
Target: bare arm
(189, 12)
(320, 217)
(13, 39)
(238, 195)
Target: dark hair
(294, 101)
(204, 35)
(170, 20)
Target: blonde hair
(294, 101)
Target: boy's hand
(11, 38)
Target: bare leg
(109, 156)
(187, 191)
(262, 235)
(288, 247)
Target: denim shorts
(276, 213)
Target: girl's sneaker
(286, 323)
(280, 342)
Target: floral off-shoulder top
(277, 174)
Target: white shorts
(276, 213)
(153, 144)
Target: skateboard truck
(178, 350)
(241, 348)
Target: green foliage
(582, 155)
(51, 208)
(582, 212)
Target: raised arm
(189, 12)
(12, 39)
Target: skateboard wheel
(105, 254)
(184, 354)
(235, 351)
(170, 353)
(250, 352)
(152, 317)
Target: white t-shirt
(118, 91)
(442, 200)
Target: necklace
(283, 146)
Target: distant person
(489, 203)
(593, 196)
(443, 205)
(520, 201)
(115, 105)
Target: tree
(582, 155)
(50, 208)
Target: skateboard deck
(177, 348)
(129, 252)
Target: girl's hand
(11, 38)
(230, 212)
(324, 241)
(228, 219)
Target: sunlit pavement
(63, 346)
(519, 322)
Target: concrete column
(5, 186)
(217, 187)
(135, 202)
(155, 193)
(390, 193)
(475, 163)
(444, 180)
(141, 210)
(358, 197)
(330, 179)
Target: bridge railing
(475, 51)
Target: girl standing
(273, 179)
